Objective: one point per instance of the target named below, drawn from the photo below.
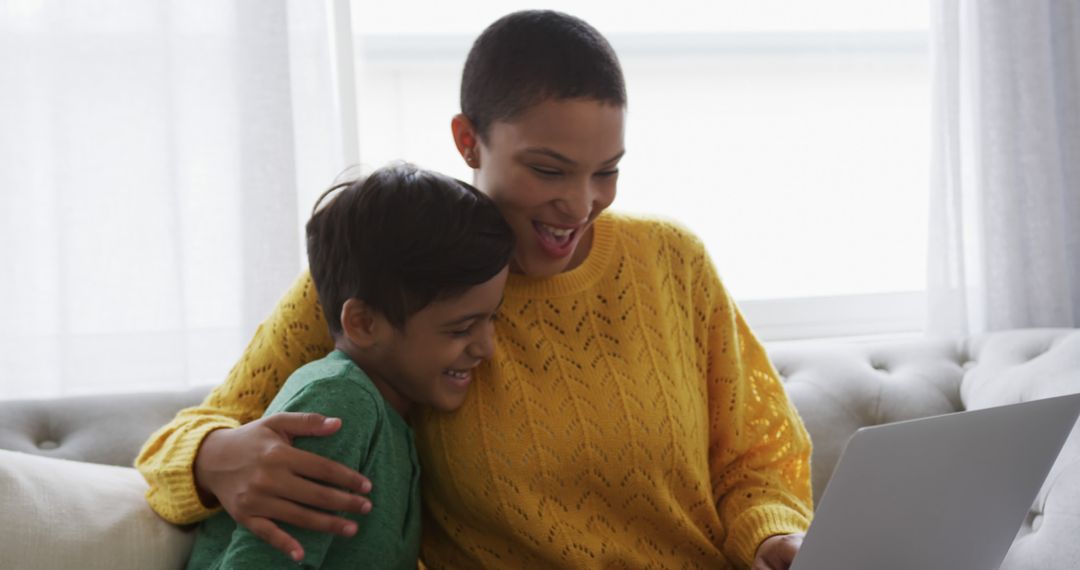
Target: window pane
(804, 173)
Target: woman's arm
(759, 450)
(204, 457)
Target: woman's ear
(466, 140)
(359, 323)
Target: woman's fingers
(271, 534)
(302, 424)
(313, 466)
(284, 511)
(323, 470)
(307, 490)
(777, 552)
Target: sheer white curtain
(1005, 204)
(158, 160)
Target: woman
(629, 417)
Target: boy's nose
(484, 346)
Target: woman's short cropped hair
(401, 238)
(528, 57)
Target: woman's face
(552, 170)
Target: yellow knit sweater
(629, 419)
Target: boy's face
(430, 362)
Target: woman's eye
(460, 333)
(545, 171)
(607, 173)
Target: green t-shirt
(374, 440)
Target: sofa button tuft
(48, 444)
(1034, 520)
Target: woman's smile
(557, 241)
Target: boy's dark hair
(402, 238)
(528, 57)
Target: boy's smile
(430, 360)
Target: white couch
(60, 514)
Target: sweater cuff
(172, 493)
(755, 525)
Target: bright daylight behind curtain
(148, 203)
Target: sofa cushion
(69, 514)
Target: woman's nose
(577, 203)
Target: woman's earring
(470, 159)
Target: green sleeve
(359, 413)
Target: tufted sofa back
(838, 387)
(107, 429)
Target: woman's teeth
(459, 374)
(560, 235)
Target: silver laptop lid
(945, 492)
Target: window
(792, 137)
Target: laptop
(944, 492)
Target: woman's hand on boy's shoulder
(259, 478)
(777, 552)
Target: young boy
(410, 267)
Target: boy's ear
(359, 323)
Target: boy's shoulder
(330, 378)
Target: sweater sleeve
(759, 451)
(294, 334)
